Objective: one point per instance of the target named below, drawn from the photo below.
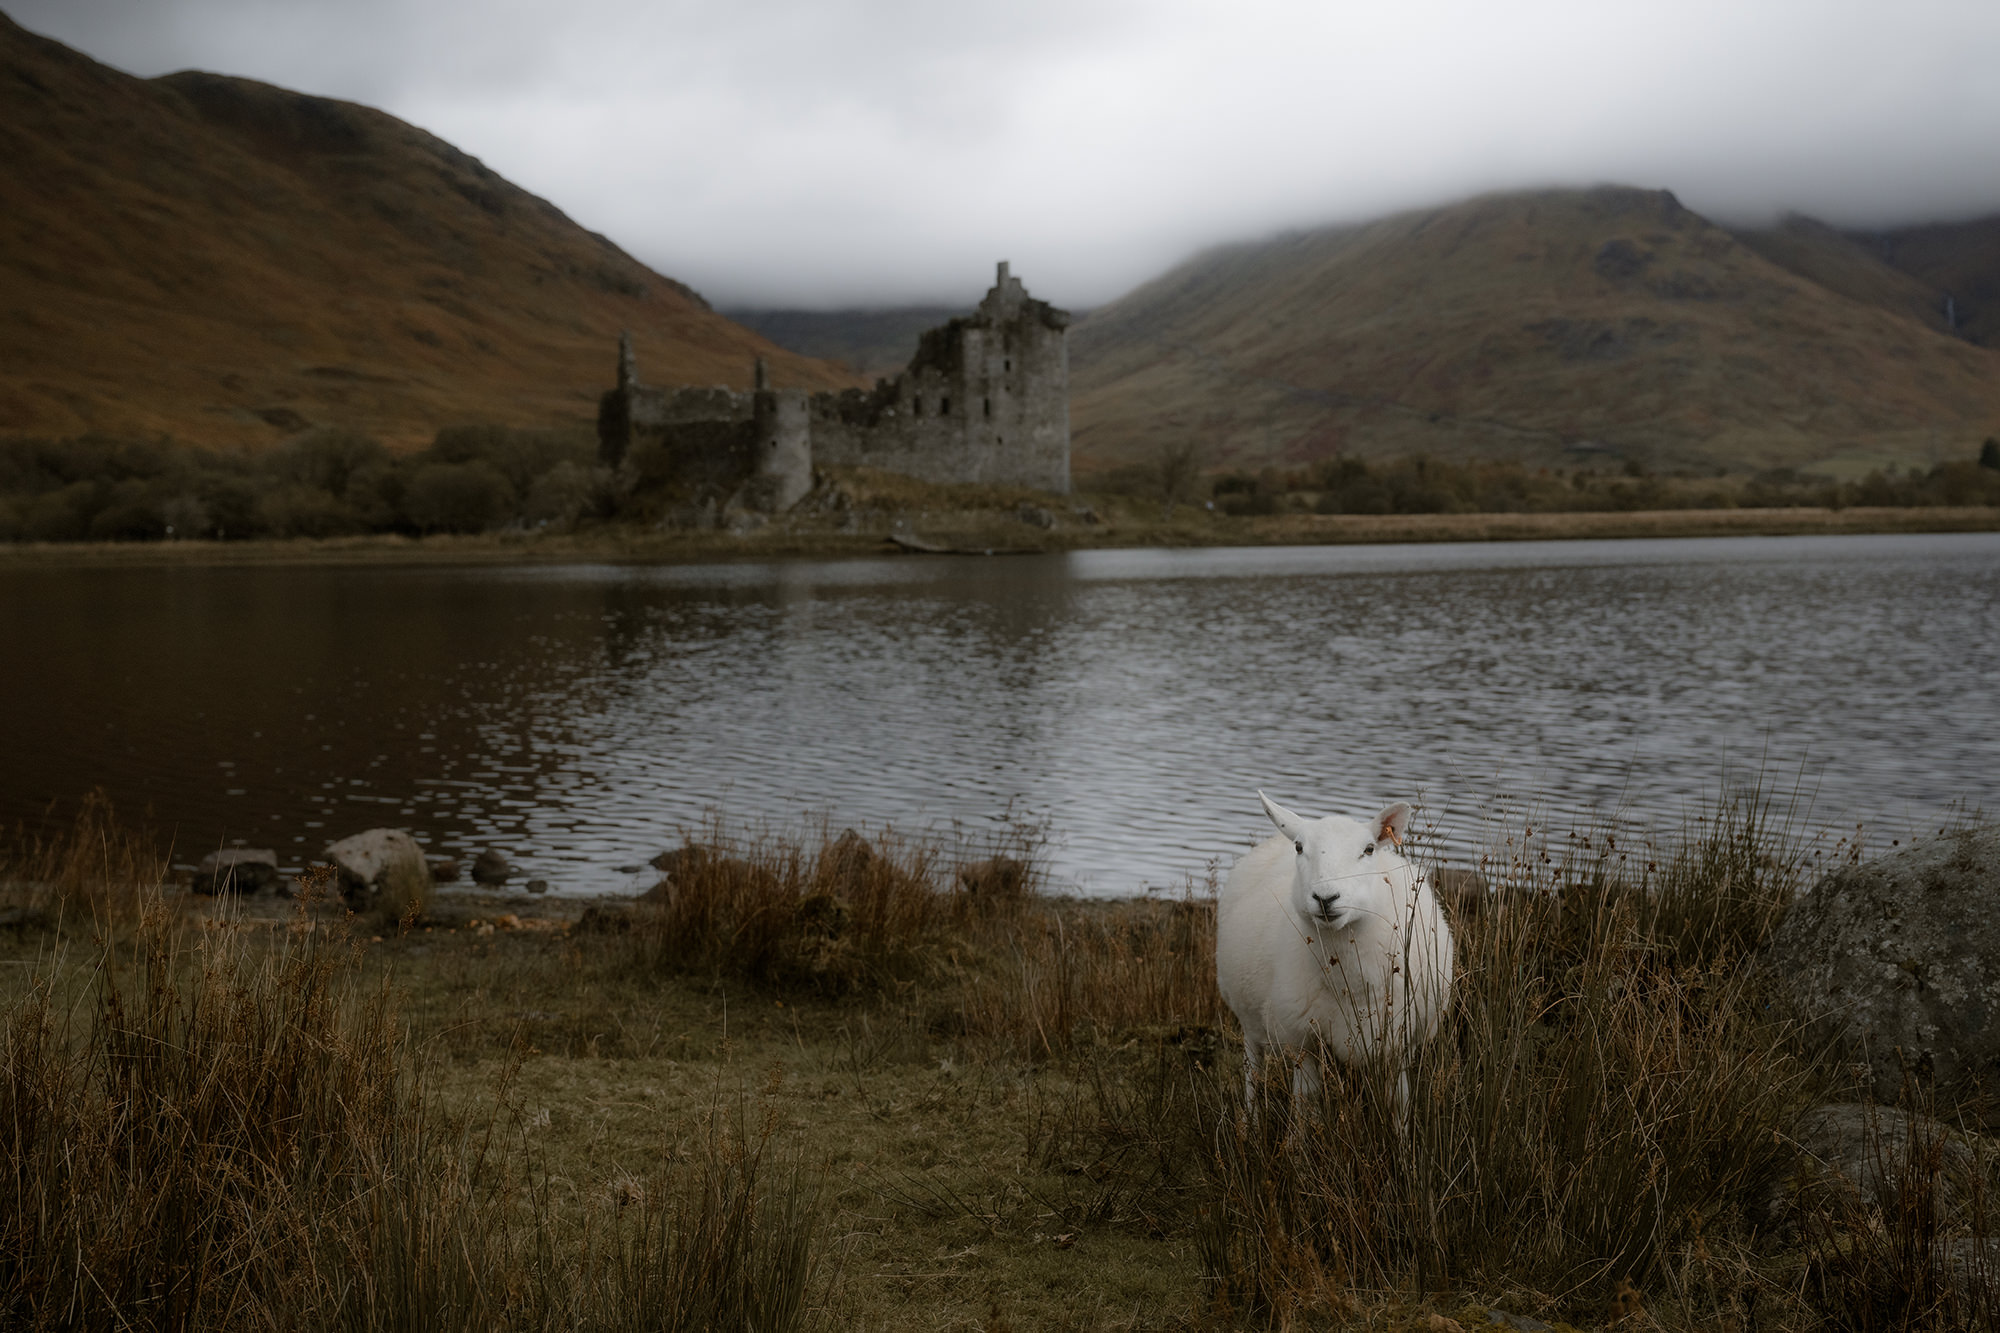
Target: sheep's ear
(1394, 823)
(1288, 823)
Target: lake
(1126, 703)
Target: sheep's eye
(1301, 848)
(1369, 850)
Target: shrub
(457, 497)
(127, 514)
(846, 916)
(521, 456)
(325, 459)
(304, 511)
(61, 516)
(562, 494)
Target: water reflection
(581, 716)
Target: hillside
(873, 343)
(1961, 259)
(1847, 266)
(1562, 328)
(225, 262)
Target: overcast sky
(826, 152)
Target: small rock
(507, 921)
(445, 870)
(1035, 516)
(244, 870)
(538, 886)
(490, 867)
(628, 870)
(383, 869)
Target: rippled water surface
(581, 716)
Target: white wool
(1326, 938)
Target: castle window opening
(1008, 364)
(987, 404)
(916, 407)
(944, 407)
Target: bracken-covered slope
(1956, 259)
(1557, 328)
(223, 261)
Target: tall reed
(842, 916)
(229, 1130)
(80, 867)
(1607, 1092)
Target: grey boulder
(1896, 961)
(1876, 1152)
(383, 869)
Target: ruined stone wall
(707, 445)
(986, 399)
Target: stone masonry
(985, 399)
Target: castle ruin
(985, 399)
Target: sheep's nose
(1325, 900)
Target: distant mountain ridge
(1562, 328)
(872, 342)
(224, 261)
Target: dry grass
(1918, 1255)
(80, 867)
(211, 1125)
(863, 1082)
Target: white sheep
(1326, 938)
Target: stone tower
(985, 399)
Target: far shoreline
(996, 534)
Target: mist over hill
(1559, 328)
(872, 342)
(224, 261)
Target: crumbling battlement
(985, 399)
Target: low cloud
(824, 152)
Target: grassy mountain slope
(225, 261)
(1847, 266)
(1558, 327)
(1958, 258)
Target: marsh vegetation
(851, 1081)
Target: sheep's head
(1346, 869)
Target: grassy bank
(852, 1083)
(1117, 523)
